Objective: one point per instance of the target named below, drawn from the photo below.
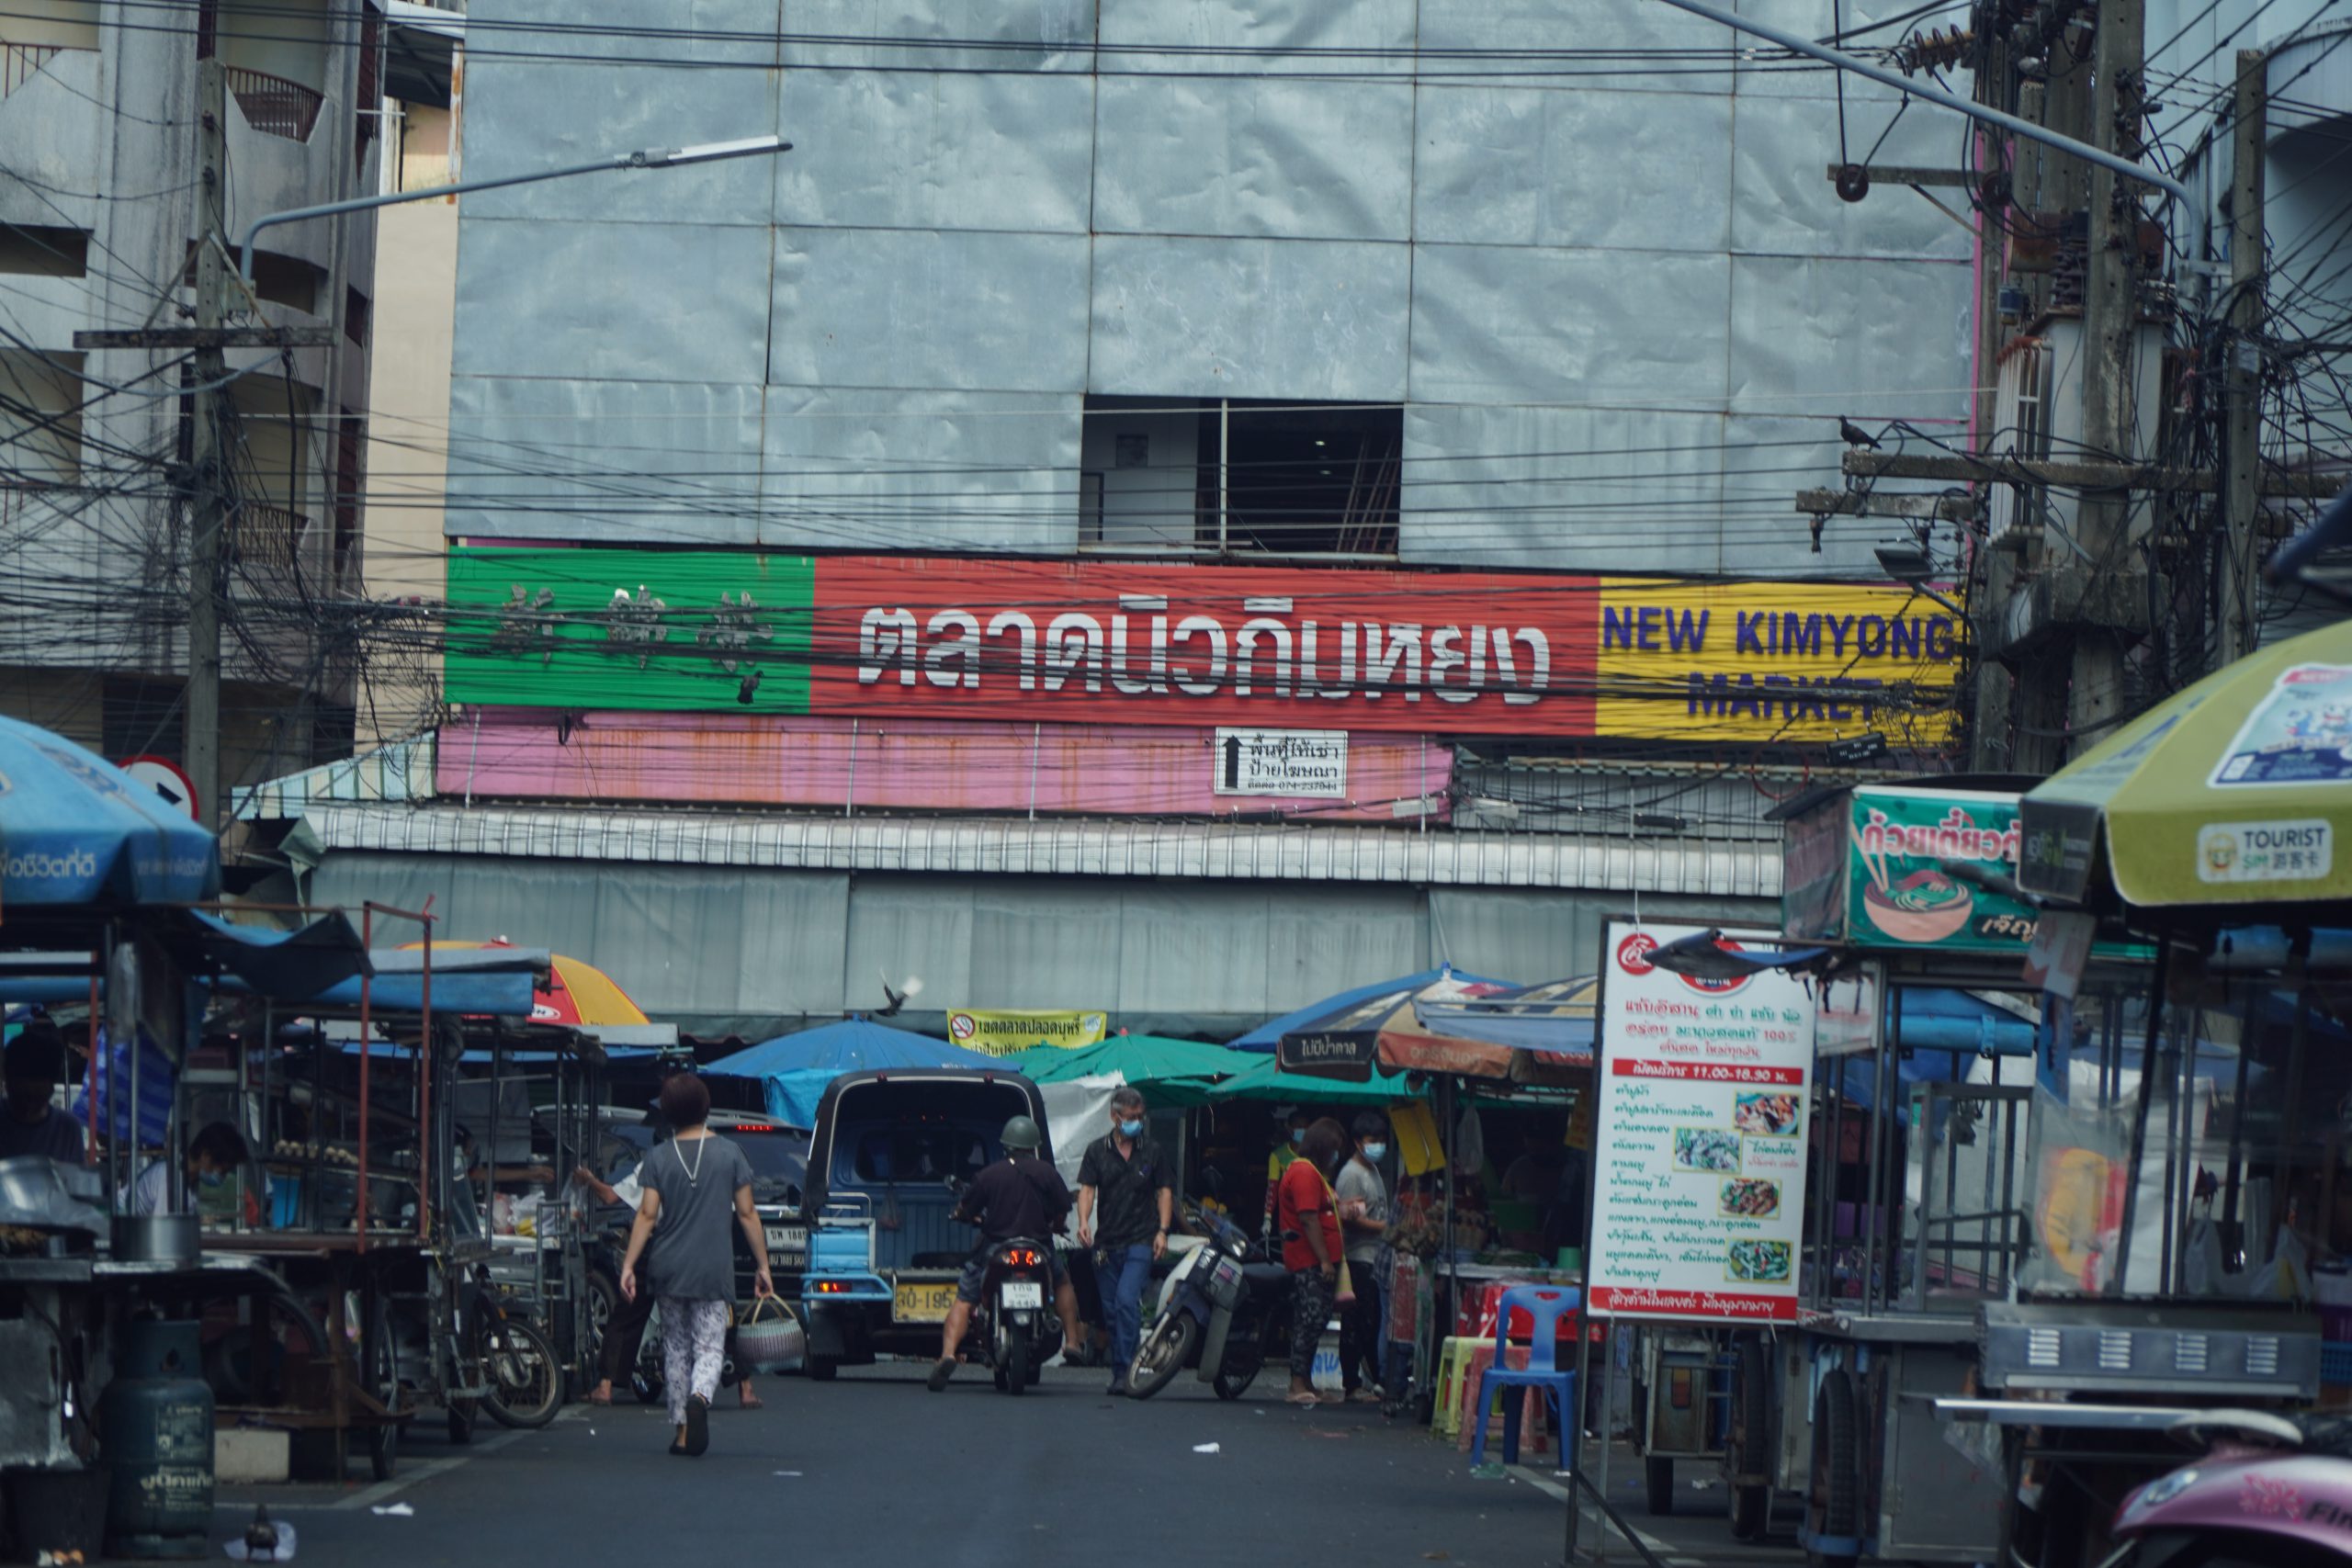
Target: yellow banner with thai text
(1001, 1033)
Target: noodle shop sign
(1889, 869)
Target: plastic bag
(2202, 1258)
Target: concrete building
(1009, 540)
(98, 204)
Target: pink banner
(902, 764)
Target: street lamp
(649, 158)
(1910, 565)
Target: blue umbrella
(797, 1067)
(76, 829)
(1269, 1035)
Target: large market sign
(1142, 643)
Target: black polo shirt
(1021, 1197)
(1126, 1192)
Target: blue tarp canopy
(75, 831)
(299, 962)
(797, 1067)
(1557, 1016)
(1268, 1035)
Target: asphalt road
(872, 1469)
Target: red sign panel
(1144, 643)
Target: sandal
(1307, 1398)
(596, 1399)
(697, 1427)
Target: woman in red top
(1310, 1233)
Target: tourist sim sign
(1252, 649)
(1699, 1144)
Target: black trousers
(1361, 1333)
(623, 1330)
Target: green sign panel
(644, 629)
(1875, 868)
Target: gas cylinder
(155, 1421)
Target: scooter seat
(1265, 1277)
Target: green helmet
(1021, 1133)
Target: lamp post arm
(657, 159)
(1958, 104)
(364, 203)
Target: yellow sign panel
(1001, 1033)
(1774, 664)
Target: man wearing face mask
(1126, 1173)
(1363, 1195)
(215, 1154)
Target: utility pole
(207, 461)
(2242, 462)
(2110, 333)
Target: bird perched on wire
(1855, 435)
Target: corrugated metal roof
(402, 771)
(1247, 852)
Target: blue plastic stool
(1546, 1304)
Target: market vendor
(216, 1153)
(32, 1123)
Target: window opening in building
(1224, 476)
(40, 250)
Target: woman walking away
(1310, 1233)
(693, 1184)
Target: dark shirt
(693, 1250)
(1126, 1192)
(1022, 1197)
(56, 1134)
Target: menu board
(1700, 1143)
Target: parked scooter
(1014, 1327)
(2272, 1491)
(1224, 1312)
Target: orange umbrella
(576, 992)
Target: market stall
(2202, 1159)
(793, 1070)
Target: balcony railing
(19, 62)
(266, 538)
(274, 106)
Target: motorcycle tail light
(1024, 1258)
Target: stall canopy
(1266, 1080)
(1268, 1035)
(795, 1068)
(78, 830)
(1554, 1020)
(487, 982)
(570, 991)
(2232, 793)
(1387, 1030)
(1173, 1073)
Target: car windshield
(779, 1163)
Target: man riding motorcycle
(1020, 1196)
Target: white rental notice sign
(1698, 1144)
(1283, 761)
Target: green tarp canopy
(1266, 1080)
(1175, 1074)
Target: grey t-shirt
(1359, 1182)
(693, 1250)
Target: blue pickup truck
(883, 1254)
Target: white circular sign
(168, 780)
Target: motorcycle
(1226, 1311)
(1014, 1324)
(2271, 1491)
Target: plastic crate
(2335, 1364)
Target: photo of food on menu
(1767, 1116)
(1706, 1148)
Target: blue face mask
(1376, 1152)
(211, 1177)
(1131, 1129)
(1297, 1136)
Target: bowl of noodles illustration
(1925, 907)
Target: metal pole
(367, 983)
(207, 460)
(426, 1057)
(1937, 96)
(2140, 1119)
(2242, 462)
(1224, 466)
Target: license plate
(1228, 1272)
(922, 1303)
(1024, 1295)
(787, 1238)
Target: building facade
(100, 146)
